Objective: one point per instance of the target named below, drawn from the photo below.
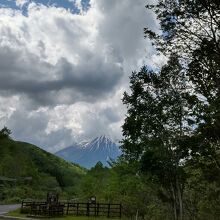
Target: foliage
(191, 28)
(172, 127)
(202, 190)
(122, 184)
(156, 126)
(94, 182)
(5, 133)
(184, 25)
(36, 172)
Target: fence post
(108, 210)
(97, 210)
(87, 209)
(77, 209)
(120, 211)
(67, 210)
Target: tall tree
(191, 28)
(174, 114)
(156, 126)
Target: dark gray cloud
(31, 128)
(25, 74)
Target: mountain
(88, 154)
(34, 171)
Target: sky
(65, 64)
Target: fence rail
(94, 209)
(72, 208)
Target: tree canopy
(5, 133)
(172, 126)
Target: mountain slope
(99, 149)
(47, 172)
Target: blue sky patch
(67, 4)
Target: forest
(170, 166)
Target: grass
(16, 213)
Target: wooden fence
(72, 208)
(94, 209)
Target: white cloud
(65, 73)
(20, 3)
(77, 4)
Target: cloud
(78, 4)
(61, 83)
(65, 74)
(31, 66)
(20, 3)
(30, 127)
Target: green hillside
(26, 171)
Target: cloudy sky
(64, 65)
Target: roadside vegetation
(17, 213)
(27, 171)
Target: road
(7, 208)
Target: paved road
(7, 208)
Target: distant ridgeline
(33, 171)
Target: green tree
(5, 133)
(94, 182)
(133, 190)
(191, 28)
(157, 124)
(174, 114)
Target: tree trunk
(177, 201)
(136, 217)
(175, 213)
(179, 194)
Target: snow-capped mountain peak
(101, 142)
(101, 148)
